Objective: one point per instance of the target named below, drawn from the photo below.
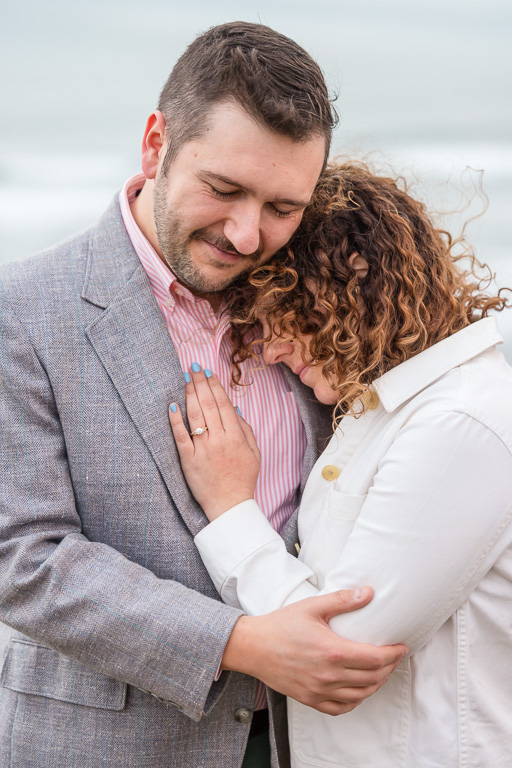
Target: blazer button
(243, 715)
(330, 472)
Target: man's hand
(294, 651)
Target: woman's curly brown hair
(414, 294)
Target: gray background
(423, 86)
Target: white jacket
(414, 498)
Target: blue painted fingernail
(187, 377)
(238, 411)
(196, 367)
(173, 407)
(207, 373)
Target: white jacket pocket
(343, 506)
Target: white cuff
(232, 537)
(249, 564)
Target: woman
(413, 494)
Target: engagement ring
(199, 431)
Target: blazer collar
(410, 377)
(112, 258)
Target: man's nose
(242, 228)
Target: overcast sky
(85, 74)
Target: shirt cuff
(249, 564)
(231, 538)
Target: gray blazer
(115, 629)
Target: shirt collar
(163, 281)
(410, 377)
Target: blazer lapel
(317, 420)
(134, 346)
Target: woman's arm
(221, 467)
(434, 521)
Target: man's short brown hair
(271, 77)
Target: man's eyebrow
(233, 183)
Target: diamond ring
(199, 431)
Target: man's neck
(142, 211)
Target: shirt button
(330, 472)
(243, 715)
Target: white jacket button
(330, 472)
(371, 400)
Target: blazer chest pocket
(37, 670)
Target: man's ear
(359, 264)
(153, 144)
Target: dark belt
(259, 723)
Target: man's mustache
(224, 244)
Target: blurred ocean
(425, 87)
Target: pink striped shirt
(268, 405)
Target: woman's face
(289, 352)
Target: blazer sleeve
(436, 519)
(83, 598)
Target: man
(121, 653)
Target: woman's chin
(325, 394)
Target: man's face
(232, 198)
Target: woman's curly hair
(415, 293)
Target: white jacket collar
(410, 377)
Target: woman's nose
(277, 351)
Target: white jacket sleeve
(249, 564)
(435, 520)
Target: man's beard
(174, 243)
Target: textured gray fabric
(31, 668)
(117, 630)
